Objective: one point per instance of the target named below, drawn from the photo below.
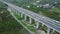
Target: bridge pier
(30, 20)
(52, 32)
(48, 31)
(9, 9)
(25, 17)
(16, 12)
(21, 15)
(37, 25)
(42, 25)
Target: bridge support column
(30, 20)
(9, 9)
(18, 13)
(37, 25)
(48, 31)
(21, 15)
(25, 17)
(52, 32)
(13, 10)
(42, 25)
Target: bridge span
(39, 19)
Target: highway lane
(34, 16)
(40, 18)
(43, 17)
